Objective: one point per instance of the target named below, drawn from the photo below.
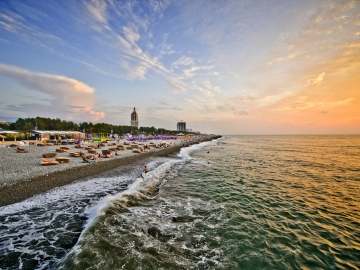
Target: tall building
(181, 126)
(134, 119)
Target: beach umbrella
(2, 137)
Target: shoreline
(29, 187)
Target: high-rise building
(134, 119)
(181, 126)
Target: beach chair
(46, 162)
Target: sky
(223, 67)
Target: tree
(91, 126)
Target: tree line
(28, 124)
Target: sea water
(242, 202)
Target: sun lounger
(62, 159)
(74, 154)
(105, 152)
(46, 162)
(49, 155)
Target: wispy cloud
(190, 72)
(232, 109)
(316, 81)
(192, 102)
(183, 61)
(98, 11)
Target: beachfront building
(134, 119)
(181, 126)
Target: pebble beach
(22, 175)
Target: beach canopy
(8, 132)
(61, 132)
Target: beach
(22, 176)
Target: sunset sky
(224, 67)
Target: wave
(142, 189)
(138, 191)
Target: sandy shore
(22, 176)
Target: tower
(134, 119)
(181, 126)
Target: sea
(239, 202)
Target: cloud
(158, 5)
(156, 108)
(183, 61)
(133, 58)
(64, 92)
(159, 108)
(164, 48)
(96, 116)
(179, 85)
(190, 72)
(232, 109)
(98, 11)
(192, 102)
(316, 81)
(164, 103)
(176, 109)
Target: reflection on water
(252, 202)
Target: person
(87, 160)
(146, 169)
(141, 175)
(208, 152)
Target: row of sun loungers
(92, 149)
